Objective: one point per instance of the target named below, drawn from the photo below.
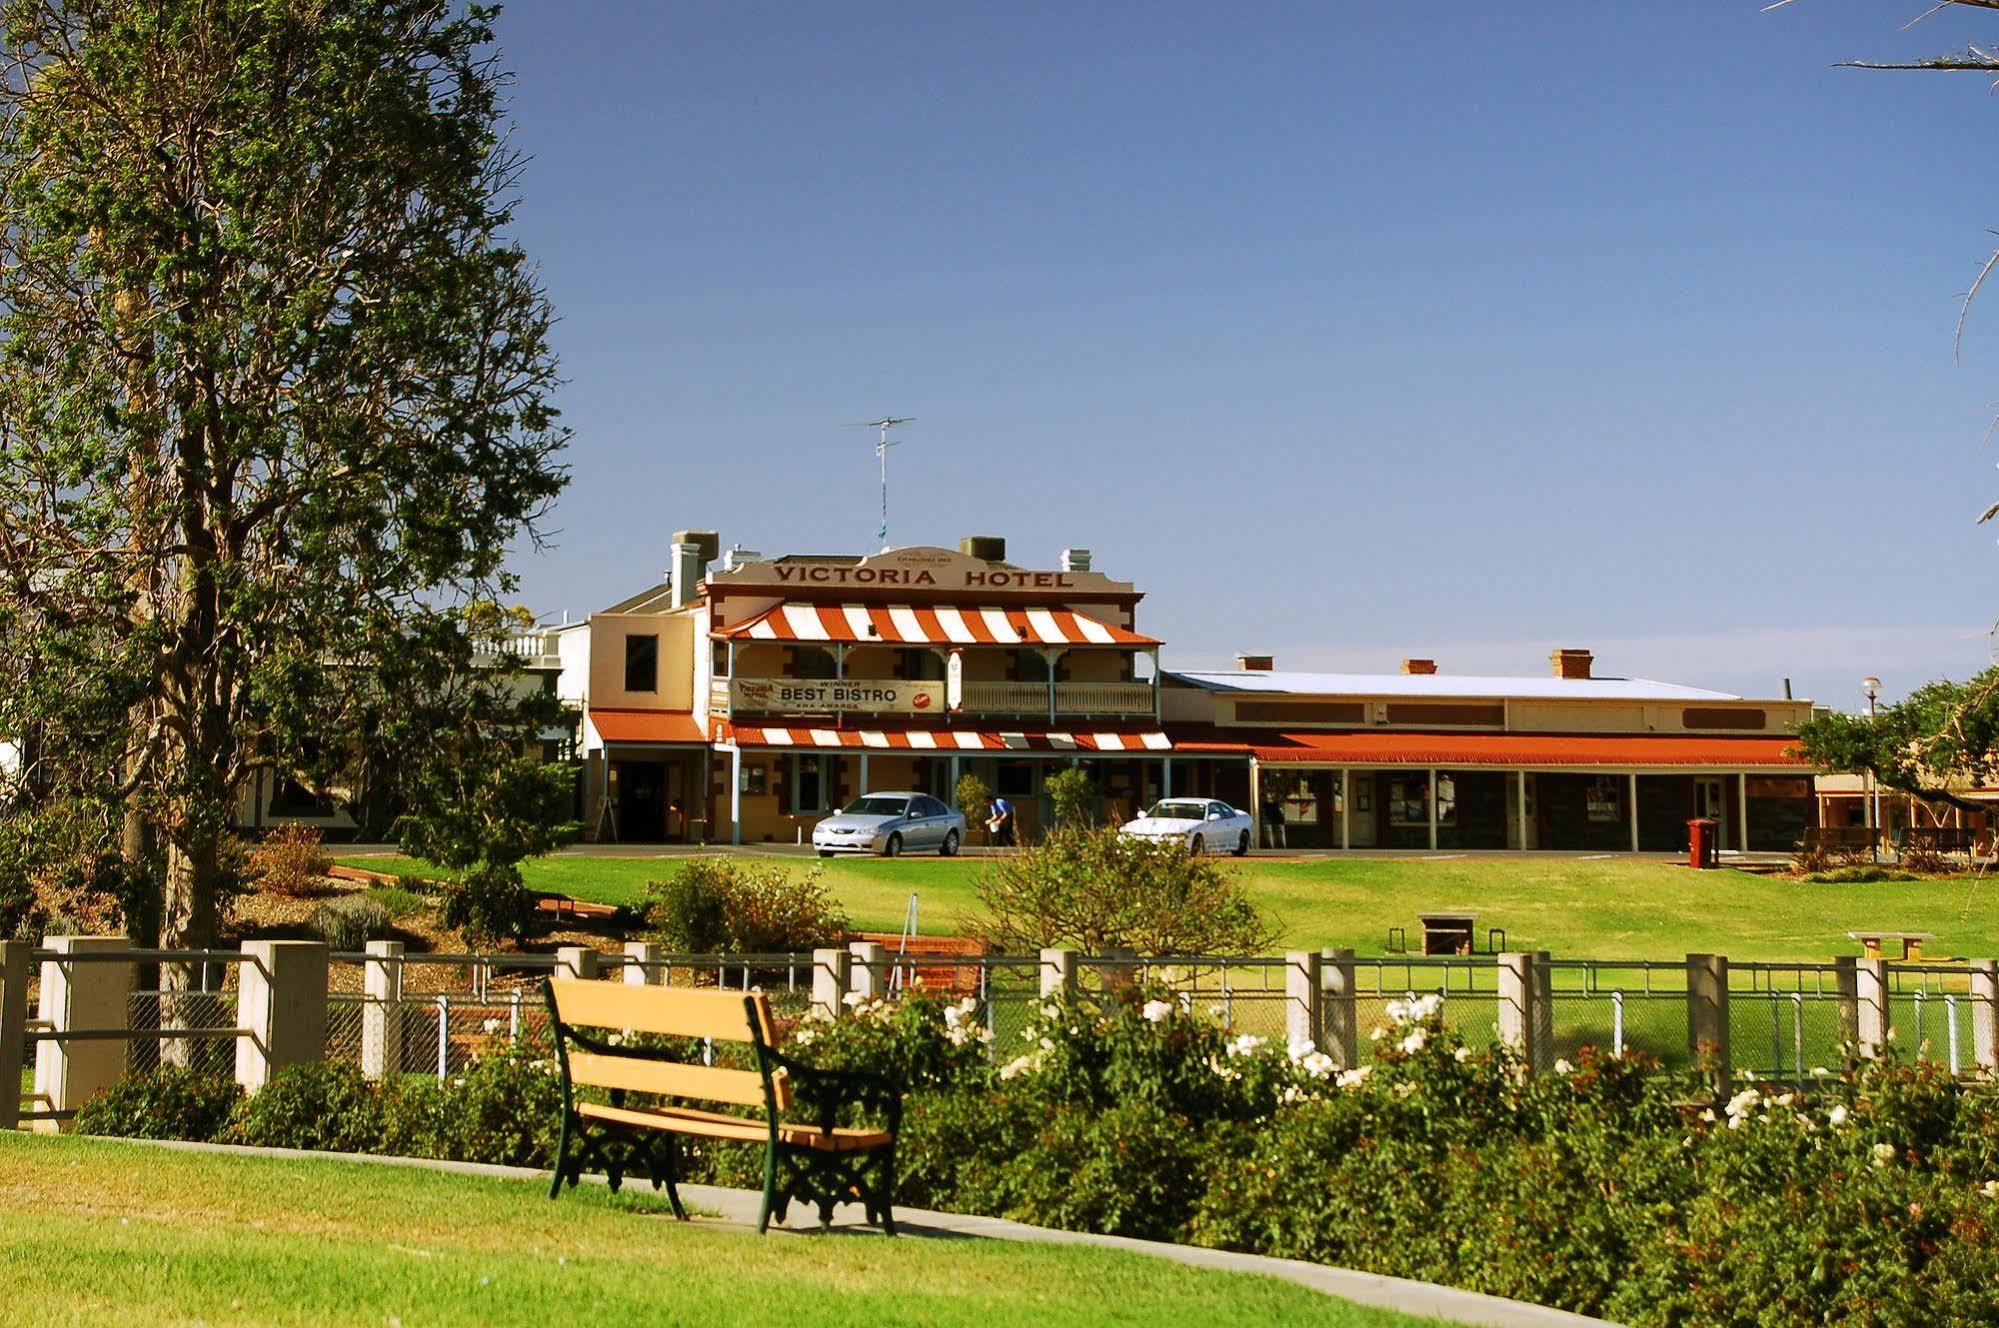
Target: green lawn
(99, 1232)
(1583, 909)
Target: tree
(274, 400)
(1098, 889)
(1944, 737)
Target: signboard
(954, 681)
(826, 696)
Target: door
(1711, 801)
(640, 787)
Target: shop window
(1447, 801)
(1014, 779)
(1604, 801)
(1030, 666)
(810, 785)
(642, 663)
(813, 662)
(1409, 801)
(922, 665)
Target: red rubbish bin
(1703, 844)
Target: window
(1715, 717)
(1409, 801)
(1604, 799)
(922, 665)
(642, 663)
(813, 662)
(810, 784)
(1014, 779)
(1030, 666)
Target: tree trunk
(191, 921)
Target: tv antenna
(885, 423)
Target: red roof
(939, 625)
(651, 726)
(950, 740)
(1513, 749)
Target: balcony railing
(1072, 699)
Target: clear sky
(1349, 332)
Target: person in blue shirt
(1001, 822)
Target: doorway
(638, 791)
(1711, 801)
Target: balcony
(1072, 699)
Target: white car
(1202, 824)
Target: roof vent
(1075, 560)
(1419, 666)
(992, 548)
(1256, 663)
(1571, 663)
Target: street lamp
(1870, 687)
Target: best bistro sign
(827, 696)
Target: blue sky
(1349, 332)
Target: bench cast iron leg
(561, 1158)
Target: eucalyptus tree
(274, 402)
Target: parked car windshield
(1179, 811)
(875, 806)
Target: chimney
(992, 548)
(1075, 560)
(1571, 663)
(1419, 666)
(1255, 663)
(693, 550)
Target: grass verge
(100, 1232)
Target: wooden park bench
(613, 1036)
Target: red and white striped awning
(946, 740)
(923, 625)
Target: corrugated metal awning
(947, 741)
(1513, 750)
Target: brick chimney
(1571, 663)
(1419, 666)
(1256, 663)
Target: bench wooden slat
(723, 1015)
(706, 1083)
(714, 1125)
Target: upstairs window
(642, 663)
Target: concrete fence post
(1338, 1037)
(579, 963)
(13, 1028)
(641, 958)
(1871, 1006)
(382, 1010)
(1058, 974)
(1985, 1015)
(870, 970)
(81, 994)
(1541, 1033)
(1304, 999)
(1525, 1024)
(832, 970)
(1846, 981)
(1707, 1014)
(281, 1006)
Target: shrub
(506, 1109)
(399, 901)
(488, 904)
(973, 798)
(350, 922)
(289, 861)
(319, 1104)
(1098, 889)
(1074, 796)
(733, 906)
(172, 1102)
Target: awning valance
(947, 741)
(930, 625)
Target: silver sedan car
(891, 824)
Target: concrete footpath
(738, 1208)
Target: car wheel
(1197, 846)
(825, 852)
(1242, 845)
(892, 849)
(949, 848)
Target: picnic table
(1912, 942)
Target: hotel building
(743, 698)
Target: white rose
(1157, 1011)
